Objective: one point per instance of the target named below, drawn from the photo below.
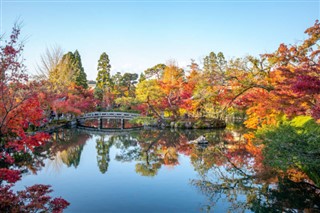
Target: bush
(293, 144)
(123, 110)
(144, 120)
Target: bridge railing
(123, 115)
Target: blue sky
(139, 34)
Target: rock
(188, 125)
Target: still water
(160, 171)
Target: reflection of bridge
(107, 115)
(111, 132)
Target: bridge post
(100, 123)
(122, 123)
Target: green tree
(104, 80)
(293, 144)
(68, 70)
(117, 85)
(80, 77)
(124, 85)
(103, 154)
(155, 71)
(128, 81)
(142, 77)
(124, 89)
(62, 75)
(214, 65)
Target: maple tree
(149, 94)
(32, 199)
(268, 87)
(75, 100)
(285, 82)
(172, 83)
(299, 70)
(19, 107)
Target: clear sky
(139, 34)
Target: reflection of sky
(139, 34)
(121, 189)
(55, 166)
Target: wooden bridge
(107, 115)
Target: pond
(160, 171)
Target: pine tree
(103, 78)
(206, 64)
(142, 77)
(214, 62)
(80, 77)
(69, 70)
(62, 75)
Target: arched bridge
(107, 115)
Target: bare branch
(48, 61)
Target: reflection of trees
(170, 156)
(29, 161)
(127, 144)
(226, 170)
(289, 196)
(232, 172)
(150, 148)
(149, 161)
(55, 163)
(66, 146)
(149, 169)
(103, 150)
(243, 192)
(204, 159)
(153, 148)
(230, 169)
(71, 156)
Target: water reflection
(103, 149)
(233, 171)
(65, 147)
(151, 149)
(230, 171)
